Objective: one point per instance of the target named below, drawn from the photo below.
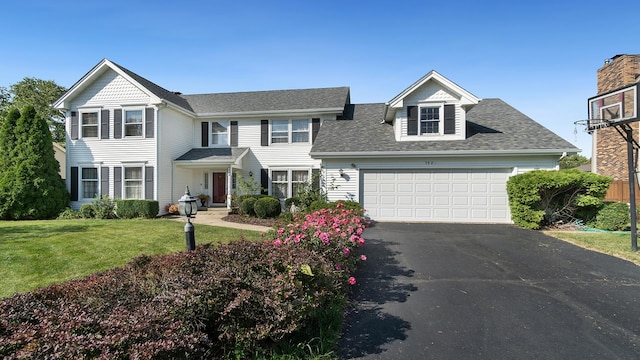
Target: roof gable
(464, 97)
(156, 93)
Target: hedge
(267, 207)
(131, 209)
(539, 198)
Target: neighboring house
(60, 155)
(609, 154)
(435, 152)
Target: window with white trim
(280, 184)
(291, 131)
(133, 123)
(133, 183)
(288, 183)
(299, 180)
(429, 120)
(220, 133)
(89, 183)
(89, 124)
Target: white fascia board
(274, 113)
(460, 153)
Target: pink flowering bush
(334, 234)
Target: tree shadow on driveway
(381, 279)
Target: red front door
(219, 188)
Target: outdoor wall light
(341, 172)
(188, 207)
(250, 173)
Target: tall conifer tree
(32, 185)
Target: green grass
(34, 254)
(614, 244)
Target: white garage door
(449, 195)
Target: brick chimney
(611, 150)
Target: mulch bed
(236, 218)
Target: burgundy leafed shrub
(187, 305)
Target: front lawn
(615, 244)
(34, 254)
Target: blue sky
(539, 56)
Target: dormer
(432, 109)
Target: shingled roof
(492, 125)
(331, 99)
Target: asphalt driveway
(453, 291)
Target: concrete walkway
(213, 217)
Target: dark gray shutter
(104, 124)
(315, 126)
(412, 120)
(148, 182)
(117, 123)
(205, 134)
(449, 119)
(74, 183)
(264, 132)
(104, 181)
(117, 182)
(74, 126)
(264, 181)
(315, 178)
(149, 121)
(234, 133)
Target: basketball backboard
(615, 107)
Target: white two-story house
(435, 152)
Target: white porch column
(228, 187)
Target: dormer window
(429, 120)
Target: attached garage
(443, 195)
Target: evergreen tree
(7, 143)
(32, 186)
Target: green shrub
(131, 209)
(247, 206)
(68, 214)
(344, 204)
(613, 216)
(87, 211)
(539, 198)
(104, 207)
(267, 207)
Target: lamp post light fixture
(188, 207)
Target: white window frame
(84, 112)
(125, 124)
(125, 186)
(440, 107)
(95, 180)
(226, 134)
(290, 131)
(290, 181)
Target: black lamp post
(188, 207)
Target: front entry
(219, 188)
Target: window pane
(300, 175)
(133, 183)
(133, 117)
(89, 182)
(279, 175)
(300, 137)
(219, 133)
(280, 191)
(90, 124)
(90, 118)
(280, 131)
(300, 125)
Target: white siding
(110, 89)
(175, 132)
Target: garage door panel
(447, 195)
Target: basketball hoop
(590, 125)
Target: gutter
(415, 154)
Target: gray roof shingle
(492, 125)
(265, 101)
(225, 155)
